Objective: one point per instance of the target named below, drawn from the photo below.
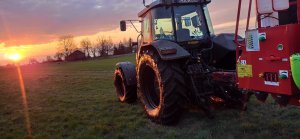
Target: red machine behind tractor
(267, 62)
(180, 62)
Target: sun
(16, 57)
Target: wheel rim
(119, 86)
(150, 85)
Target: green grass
(77, 100)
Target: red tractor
(180, 62)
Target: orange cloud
(229, 27)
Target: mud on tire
(160, 84)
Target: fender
(129, 72)
(168, 50)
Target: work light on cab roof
(168, 2)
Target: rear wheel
(160, 84)
(125, 93)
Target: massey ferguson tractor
(181, 63)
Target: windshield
(188, 23)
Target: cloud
(2, 45)
(35, 25)
(230, 26)
(2, 50)
(24, 22)
(98, 6)
(40, 21)
(223, 14)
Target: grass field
(77, 100)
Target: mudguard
(161, 45)
(129, 71)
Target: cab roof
(158, 3)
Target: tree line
(100, 47)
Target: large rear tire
(125, 93)
(160, 84)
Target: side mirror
(123, 25)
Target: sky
(32, 27)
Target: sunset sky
(32, 27)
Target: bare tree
(125, 42)
(100, 45)
(58, 56)
(33, 61)
(66, 45)
(130, 45)
(94, 50)
(86, 46)
(110, 44)
(104, 45)
(49, 59)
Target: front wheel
(125, 93)
(160, 84)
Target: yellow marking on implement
(244, 71)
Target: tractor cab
(180, 21)
(186, 24)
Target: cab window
(146, 29)
(163, 24)
(189, 25)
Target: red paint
(298, 10)
(270, 59)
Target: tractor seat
(183, 35)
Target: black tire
(261, 96)
(282, 100)
(160, 84)
(125, 93)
